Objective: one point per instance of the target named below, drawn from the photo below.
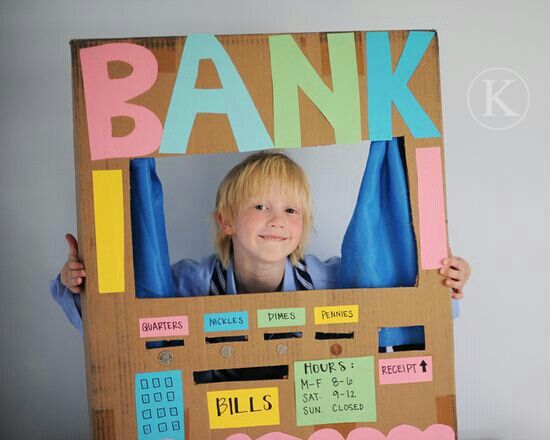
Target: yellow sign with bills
(243, 407)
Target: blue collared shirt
(192, 278)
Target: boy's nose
(276, 221)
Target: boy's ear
(224, 224)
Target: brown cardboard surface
(114, 351)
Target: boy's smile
(273, 237)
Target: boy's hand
(456, 272)
(73, 273)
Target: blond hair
(255, 174)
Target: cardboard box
(204, 94)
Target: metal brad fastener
(282, 348)
(166, 357)
(226, 351)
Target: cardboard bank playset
(203, 94)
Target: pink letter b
(106, 98)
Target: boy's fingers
(75, 265)
(454, 284)
(76, 282)
(457, 294)
(73, 245)
(460, 264)
(451, 273)
(77, 274)
(453, 261)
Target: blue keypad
(159, 405)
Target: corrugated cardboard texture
(113, 348)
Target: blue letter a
(232, 99)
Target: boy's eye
(260, 207)
(291, 210)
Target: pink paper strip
(431, 207)
(405, 370)
(163, 326)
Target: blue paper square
(161, 416)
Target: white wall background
(190, 184)
(496, 182)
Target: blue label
(159, 405)
(224, 322)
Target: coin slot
(151, 345)
(329, 335)
(282, 335)
(222, 339)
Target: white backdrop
(496, 184)
(190, 184)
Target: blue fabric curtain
(153, 277)
(379, 248)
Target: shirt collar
(289, 283)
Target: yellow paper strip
(336, 314)
(109, 229)
(243, 407)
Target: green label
(335, 391)
(281, 317)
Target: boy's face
(268, 227)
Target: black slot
(274, 372)
(220, 339)
(283, 335)
(392, 339)
(325, 335)
(151, 345)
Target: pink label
(163, 326)
(405, 370)
(431, 208)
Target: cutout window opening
(395, 339)
(190, 184)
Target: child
(263, 217)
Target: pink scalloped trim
(403, 432)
